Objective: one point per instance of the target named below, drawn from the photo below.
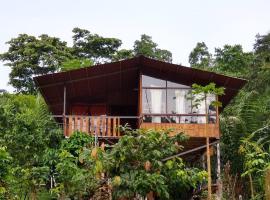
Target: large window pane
(211, 108)
(154, 101)
(169, 102)
(198, 104)
(176, 85)
(148, 81)
(178, 102)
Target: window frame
(166, 88)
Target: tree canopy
(30, 56)
(200, 56)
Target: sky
(175, 25)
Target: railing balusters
(109, 127)
(87, 124)
(101, 126)
(113, 127)
(92, 125)
(118, 124)
(75, 124)
(81, 128)
(103, 133)
(98, 126)
(70, 126)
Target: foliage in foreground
(37, 159)
(131, 167)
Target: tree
(5, 162)
(200, 56)
(73, 177)
(122, 55)
(29, 56)
(94, 47)
(136, 167)
(255, 150)
(262, 47)
(233, 60)
(26, 128)
(145, 46)
(28, 132)
(131, 167)
(75, 64)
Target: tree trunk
(251, 185)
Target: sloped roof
(95, 82)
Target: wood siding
(192, 130)
(100, 125)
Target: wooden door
(97, 110)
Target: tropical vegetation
(37, 162)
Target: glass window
(154, 101)
(211, 108)
(198, 104)
(178, 102)
(148, 81)
(176, 85)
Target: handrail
(178, 115)
(104, 116)
(189, 151)
(99, 126)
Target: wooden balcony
(192, 130)
(193, 125)
(100, 126)
(107, 126)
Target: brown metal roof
(117, 82)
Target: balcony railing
(100, 126)
(107, 126)
(180, 118)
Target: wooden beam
(209, 182)
(219, 184)
(189, 151)
(139, 99)
(64, 112)
(64, 103)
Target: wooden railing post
(219, 183)
(114, 127)
(209, 182)
(64, 111)
(118, 125)
(109, 126)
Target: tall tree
(29, 56)
(200, 56)
(94, 47)
(75, 64)
(262, 47)
(233, 60)
(145, 46)
(123, 54)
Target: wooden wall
(193, 130)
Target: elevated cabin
(142, 92)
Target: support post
(139, 100)
(64, 112)
(219, 184)
(209, 182)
